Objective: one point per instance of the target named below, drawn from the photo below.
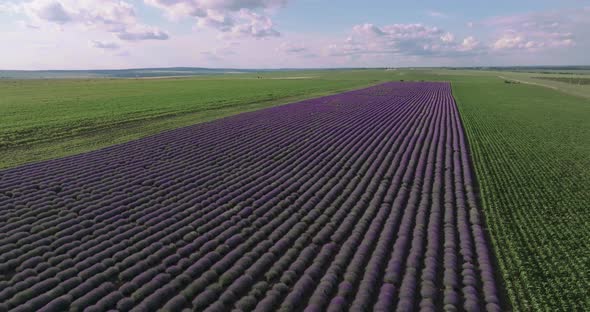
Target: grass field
(557, 82)
(570, 80)
(530, 144)
(44, 119)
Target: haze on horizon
(108, 34)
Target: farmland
(531, 150)
(44, 119)
(362, 199)
(570, 80)
(558, 82)
(291, 188)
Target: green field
(530, 143)
(531, 150)
(557, 82)
(570, 80)
(44, 119)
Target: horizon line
(289, 68)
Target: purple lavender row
(362, 200)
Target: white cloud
(535, 31)
(448, 37)
(514, 40)
(113, 16)
(50, 11)
(137, 35)
(470, 44)
(404, 39)
(10, 8)
(232, 17)
(109, 33)
(367, 29)
(509, 41)
(253, 24)
(199, 8)
(104, 45)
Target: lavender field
(364, 200)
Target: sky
(109, 34)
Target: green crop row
(531, 151)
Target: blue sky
(81, 34)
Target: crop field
(365, 198)
(44, 119)
(558, 81)
(361, 200)
(531, 151)
(570, 80)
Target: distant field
(558, 82)
(43, 119)
(571, 80)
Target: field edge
(505, 300)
